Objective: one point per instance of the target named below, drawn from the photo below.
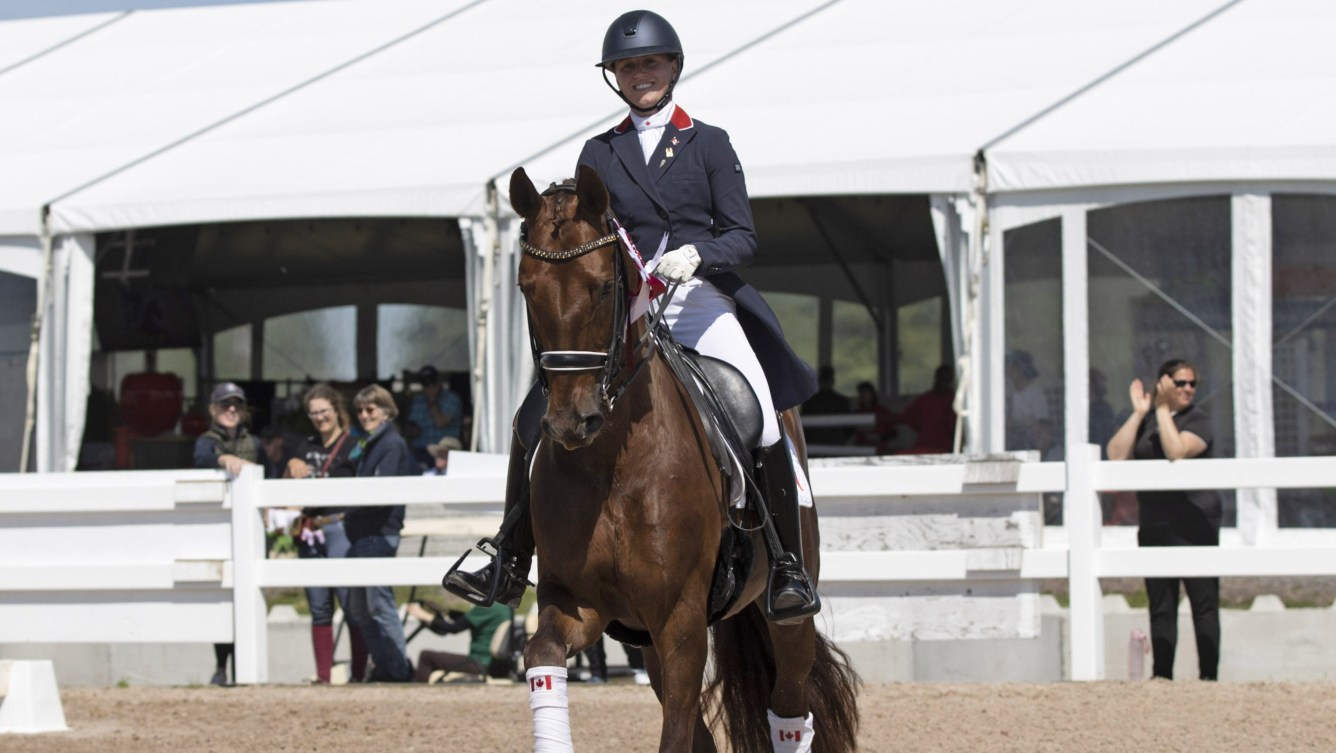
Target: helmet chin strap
(663, 101)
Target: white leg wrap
(551, 712)
(790, 735)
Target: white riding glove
(678, 265)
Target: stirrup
(787, 567)
(457, 583)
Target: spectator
(932, 416)
(1178, 430)
(482, 624)
(1026, 404)
(373, 531)
(826, 402)
(1102, 423)
(229, 445)
(882, 430)
(433, 414)
(319, 531)
(440, 453)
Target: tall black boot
(506, 576)
(790, 596)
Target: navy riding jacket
(693, 189)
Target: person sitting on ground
(482, 624)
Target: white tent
(412, 108)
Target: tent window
(800, 316)
(321, 343)
(854, 357)
(1303, 351)
(18, 300)
(409, 336)
(920, 339)
(232, 353)
(1033, 331)
(1159, 288)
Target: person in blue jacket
(373, 531)
(677, 187)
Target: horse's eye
(606, 290)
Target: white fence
(179, 556)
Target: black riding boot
(790, 596)
(506, 576)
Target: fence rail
(187, 547)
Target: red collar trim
(680, 119)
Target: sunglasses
(232, 404)
(1185, 383)
(368, 409)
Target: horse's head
(570, 274)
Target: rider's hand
(678, 265)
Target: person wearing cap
(229, 445)
(677, 186)
(434, 414)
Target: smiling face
(229, 413)
(1181, 397)
(645, 79)
(371, 416)
(322, 416)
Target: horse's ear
(589, 188)
(524, 198)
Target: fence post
(1082, 518)
(249, 616)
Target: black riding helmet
(640, 32)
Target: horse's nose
(591, 424)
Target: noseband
(583, 360)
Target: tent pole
(491, 222)
(34, 341)
(966, 400)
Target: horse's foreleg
(560, 629)
(702, 741)
(684, 643)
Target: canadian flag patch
(795, 736)
(543, 682)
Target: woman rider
(670, 175)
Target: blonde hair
(378, 396)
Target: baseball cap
(428, 374)
(225, 390)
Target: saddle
(731, 415)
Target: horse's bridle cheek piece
(609, 361)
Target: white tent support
(1254, 429)
(1075, 327)
(34, 341)
(65, 333)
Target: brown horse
(628, 508)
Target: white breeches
(702, 318)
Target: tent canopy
(409, 108)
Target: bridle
(609, 360)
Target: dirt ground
(622, 718)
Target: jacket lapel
(626, 145)
(676, 135)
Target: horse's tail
(738, 694)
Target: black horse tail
(738, 694)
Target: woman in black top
(319, 531)
(1178, 430)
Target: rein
(610, 361)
